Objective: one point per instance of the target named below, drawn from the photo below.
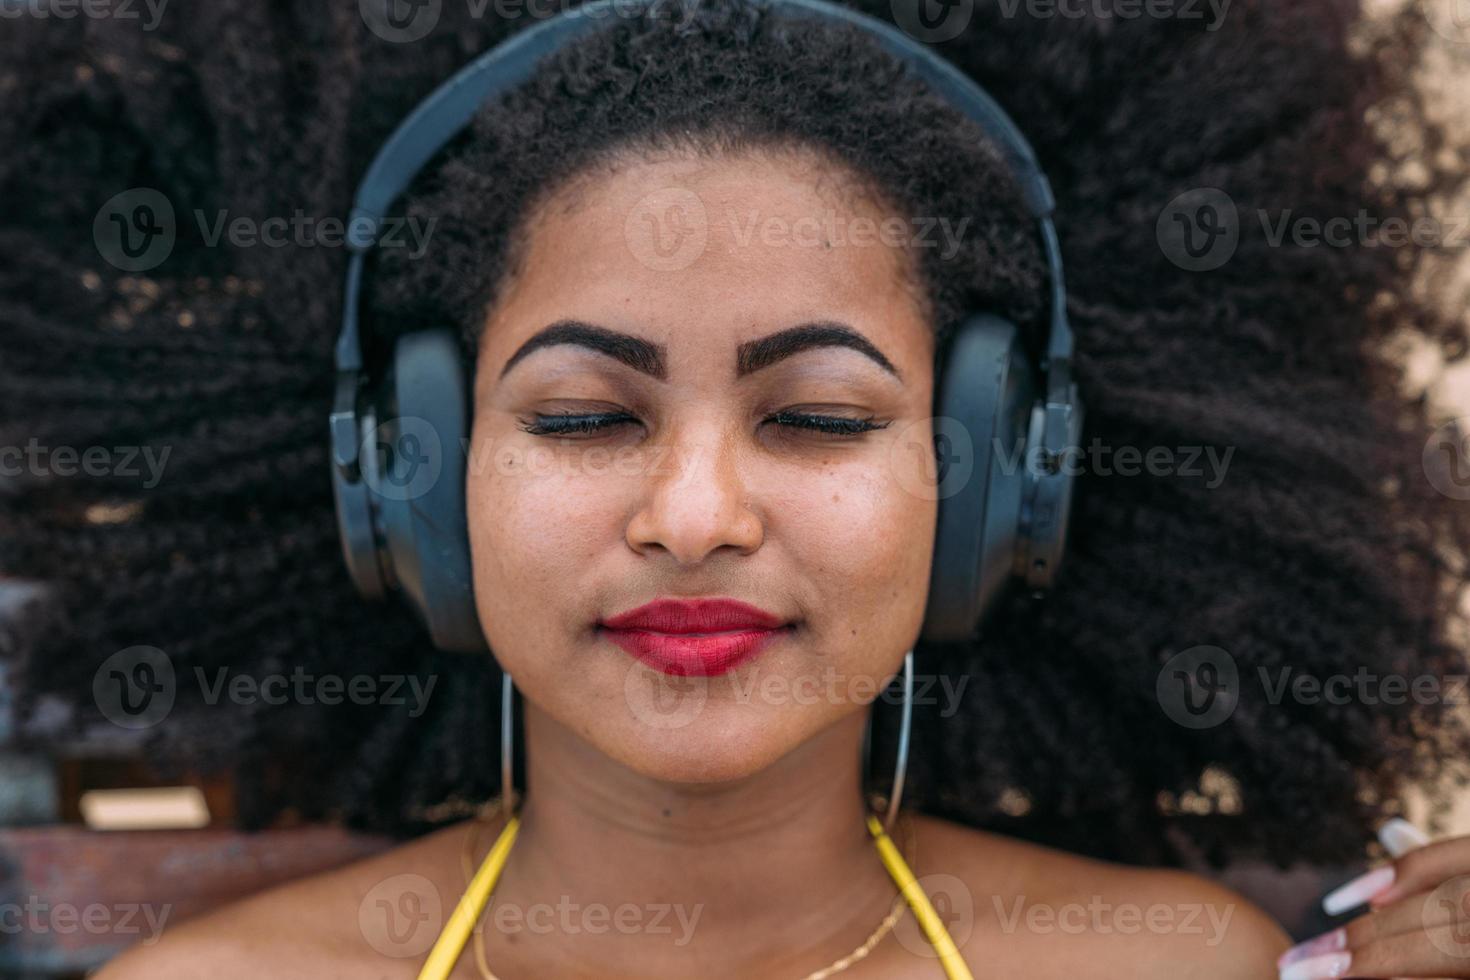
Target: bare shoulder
(374, 917)
(1030, 910)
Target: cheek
(534, 533)
(865, 541)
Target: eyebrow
(756, 354)
(637, 353)
(648, 358)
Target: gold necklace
(471, 842)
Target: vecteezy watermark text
(404, 21)
(1201, 229)
(303, 230)
(135, 688)
(1363, 686)
(1214, 10)
(1099, 459)
(831, 686)
(137, 229)
(301, 687)
(91, 9)
(833, 231)
(37, 916)
(1099, 917)
(36, 459)
(567, 917)
(1201, 687)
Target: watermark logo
(668, 229)
(1446, 459)
(1449, 18)
(1446, 917)
(933, 458)
(408, 457)
(1199, 231)
(401, 916)
(932, 21)
(953, 903)
(135, 230)
(135, 688)
(664, 702)
(400, 21)
(1199, 687)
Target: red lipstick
(694, 637)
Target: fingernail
(1398, 836)
(1358, 891)
(1328, 942)
(1318, 967)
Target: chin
(706, 750)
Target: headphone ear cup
(983, 410)
(357, 518)
(419, 486)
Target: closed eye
(833, 425)
(565, 425)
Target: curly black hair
(1324, 549)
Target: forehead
(695, 250)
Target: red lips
(694, 637)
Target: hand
(1419, 923)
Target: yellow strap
(462, 921)
(929, 921)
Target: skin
(743, 810)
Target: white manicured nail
(1319, 967)
(1398, 836)
(1358, 891)
(1328, 942)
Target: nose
(696, 501)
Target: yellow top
(462, 920)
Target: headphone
(1003, 424)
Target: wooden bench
(72, 898)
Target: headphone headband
(449, 109)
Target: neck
(769, 872)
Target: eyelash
(567, 424)
(832, 426)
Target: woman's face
(667, 287)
